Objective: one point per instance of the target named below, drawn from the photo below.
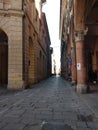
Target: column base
(81, 88)
(73, 83)
(16, 85)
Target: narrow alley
(52, 101)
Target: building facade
(48, 48)
(79, 42)
(45, 52)
(21, 50)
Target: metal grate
(55, 126)
(85, 118)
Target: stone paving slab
(53, 100)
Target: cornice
(11, 12)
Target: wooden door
(3, 64)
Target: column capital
(79, 35)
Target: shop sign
(78, 66)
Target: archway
(3, 58)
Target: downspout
(23, 42)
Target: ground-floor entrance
(3, 59)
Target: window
(36, 15)
(40, 54)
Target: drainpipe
(23, 39)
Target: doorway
(97, 63)
(3, 58)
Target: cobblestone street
(53, 101)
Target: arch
(3, 37)
(3, 58)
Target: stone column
(73, 67)
(15, 54)
(80, 60)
